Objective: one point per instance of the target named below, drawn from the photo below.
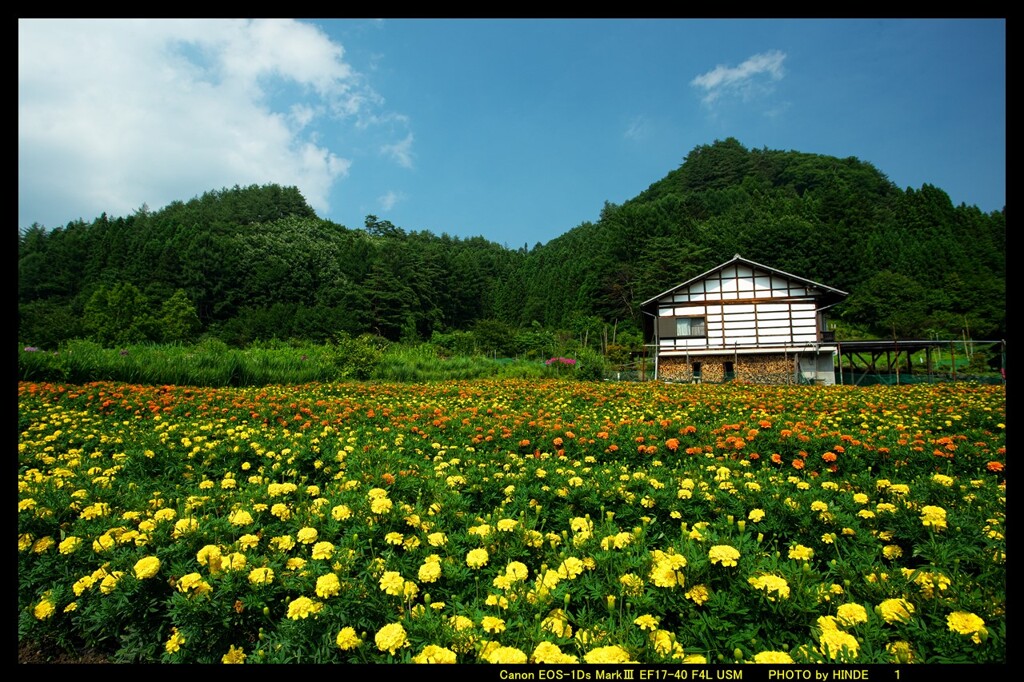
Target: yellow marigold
(723, 554)
(965, 623)
(327, 586)
(933, 517)
(240, 517)
(557, 623)
(394, 538)
(341, 512)
(895, 610)
(663, 575)
(774, 586)
(307, 535)
(477, 558)
(698, 594)
(517, 571)
(836, 644)
(110, 581)
(818, 505)
(235, 561)
(493, 625)
(44, 609)
(632, 584)
(437, 539)
(433, 653)
(323, 550)
(303, 607)
(801, 553)
(901, 652)
(391, 638)
(860, 498)
(892, 551)
(546, 652)
(381, 505)
(570, 568)
(852, 614)
(234, 655)
(175, 641)
(392, 583)
(261, 576)
(647, 622)
(430, 571)
(69, 544)
(347, 639)
(607, 654)
(146, 567)
(507, 525)
(773, 657)
(507, 655)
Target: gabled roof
(833, 292)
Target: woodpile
(755, 369)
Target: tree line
(251, 264)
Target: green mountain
(255, 263)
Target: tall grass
(214, 364)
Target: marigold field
(513, 522)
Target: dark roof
(739, 259)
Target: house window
(729, 372)
(695, 367)
(690, 326)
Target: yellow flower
(261, 576)
(44, 609)
(430, 571)
(341, 512)
(493, 625)
(773, 585)
(836, 644)
(773, 657)
(895, 610)
(380, 505)
(852, 614)
(901, 652)
(506, 655)
(517, 571)
(303, 607)
(698, 594)
(146, 567)
(756, 515)
(723, 554)
(283, 542)
(437, 539)
(570, 568)
(391, 638)
(647, 622)
(933, 517)
(892, 551)
(546, 652)
(307, 536)
(476, 558)
(234, 655)
(433, 653)
(69, 544)
(800, 552)
(347, 639)
(965, 623)
(607, 654)
(323, 550)
(240, 517)
(632, 584)
(392, 583)
(110, 581)
(327, 586)
(175, 641)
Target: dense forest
(252, 264)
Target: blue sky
(512, 129)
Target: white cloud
(749, 79)
(388, 201)
(639, 128)
(401, 151)
(116, 113)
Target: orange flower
(798, 464)
(994, 467)
(776, 458)
(829, 457)
(558, 442)
(672, 444)
(524, 443)
(388, 478)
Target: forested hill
(255, 263)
